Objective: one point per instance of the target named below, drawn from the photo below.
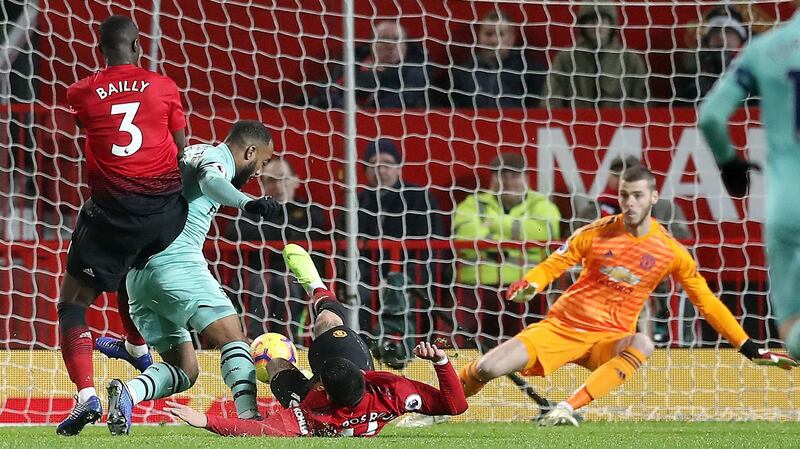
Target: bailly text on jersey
(122, 86)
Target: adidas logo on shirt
(88, 271)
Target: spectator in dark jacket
(394, 211)
(498, 75)
(721, 36)
(272, 302)
(599, 71)
(390, 73)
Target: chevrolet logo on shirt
(620, 274)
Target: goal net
(454, 99)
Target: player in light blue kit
(769, 67)
(175, 290)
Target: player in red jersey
(345, 397)
(134, 125)
(347, 402)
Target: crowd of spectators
(501, 70)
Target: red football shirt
(129, 115)
(608, 203)
(387, 396)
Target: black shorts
(340, 341)
(107, 243)
(291, 386)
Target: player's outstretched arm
(286, 423)
(449, 399)
(216, 186)
(720, 318)
(266, 206)
(186, 414)
(427, 351)
(565, 257)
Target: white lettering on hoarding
(554, 151)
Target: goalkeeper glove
(521, 291)
(267, 207)
(765, 357)
(736, 177)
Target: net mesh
(421, 276)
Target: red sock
(132, 334)
(322, 295)
(324, 299)
(76, 345)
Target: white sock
(85, 394)
(565, 404)
(134, 396)
(136, 350)
(314, 285)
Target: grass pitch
(728, 435)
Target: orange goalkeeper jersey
(619, 273)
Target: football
(270, 346)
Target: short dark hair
(620, 164)
(508, 161)
(639, 173)
(343, 380)
(246, 132)
(383, 146)
(117, 31)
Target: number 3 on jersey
(129, 110)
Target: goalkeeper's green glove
(521, 291)
(765, 357)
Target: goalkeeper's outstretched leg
(545, 346)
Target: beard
(645, 216)
(244, 175)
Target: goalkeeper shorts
(552, 345)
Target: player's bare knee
(643, 344)
(509, 357)
(490, 366)
(74, 292)
(326, 321)
(192, 371)
(224, 331)
(329, 317)
(486, 370)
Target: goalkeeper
(174, 290)
(770, 68)
(624, 257)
